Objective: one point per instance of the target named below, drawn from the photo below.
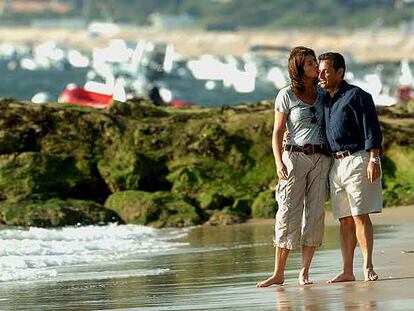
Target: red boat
(80, 96)
(179, 103)
(405, 93)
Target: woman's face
(310, 67)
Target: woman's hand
(282, 171)
(277, 143)
(286, 137)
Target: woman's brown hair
(295, 67)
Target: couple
(334, 135)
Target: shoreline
(393, 215)
(363, 45)
(393, 261)
(218, 269)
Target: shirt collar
(343, 87)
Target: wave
(38, 253)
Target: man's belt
(308, 149)
(343, 154)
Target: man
(354, 136)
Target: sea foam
(38, 253)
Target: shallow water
(69, 253)
(203, 268)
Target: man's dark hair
(337, 60)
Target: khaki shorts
(301, 199)
(351, 192)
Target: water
(139, 268)
(68, 253)
(23, 84)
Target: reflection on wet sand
(218, 270)
(389, 294)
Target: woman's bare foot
(370, 275)
(342, 277)
(273, 279)
(304, 277)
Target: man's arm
(372, 136)
(370, 122)
(374, 166)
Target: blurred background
(207, 52)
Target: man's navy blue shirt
(351, 120)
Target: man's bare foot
(274, 279)
(304, 278)
(342, 277)
(370, 275)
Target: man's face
(329, 78)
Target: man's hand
(373, 171)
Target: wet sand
(363, 45)
(393, 260)
(218, 270)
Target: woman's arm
(277, 141)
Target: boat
(80, 96)
(405, 93)
(85, 97)
(177, 103)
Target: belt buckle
(342, 154)
(307, 149)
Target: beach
(131, 267)
(368, 45)
(393, 260)
(216, 268)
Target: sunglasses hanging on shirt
(314, 119)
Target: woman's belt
(309, 149)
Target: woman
(302, 166)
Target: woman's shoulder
(285, 91)
(283, 99)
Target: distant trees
(246, 14)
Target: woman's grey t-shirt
(299, 117)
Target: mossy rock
(212, 200)
(212, 140)
(158, 209)
(238, 212)
(80, 133)
(38, 176)
(22, 127)
(410, 106)
(221, 158)
(55, 213)
(398, 176)
(264, 205)
(188, 178)
(123, 168)
(224, 217)
(137, 109)
(242, 206)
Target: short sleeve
(282, 101)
